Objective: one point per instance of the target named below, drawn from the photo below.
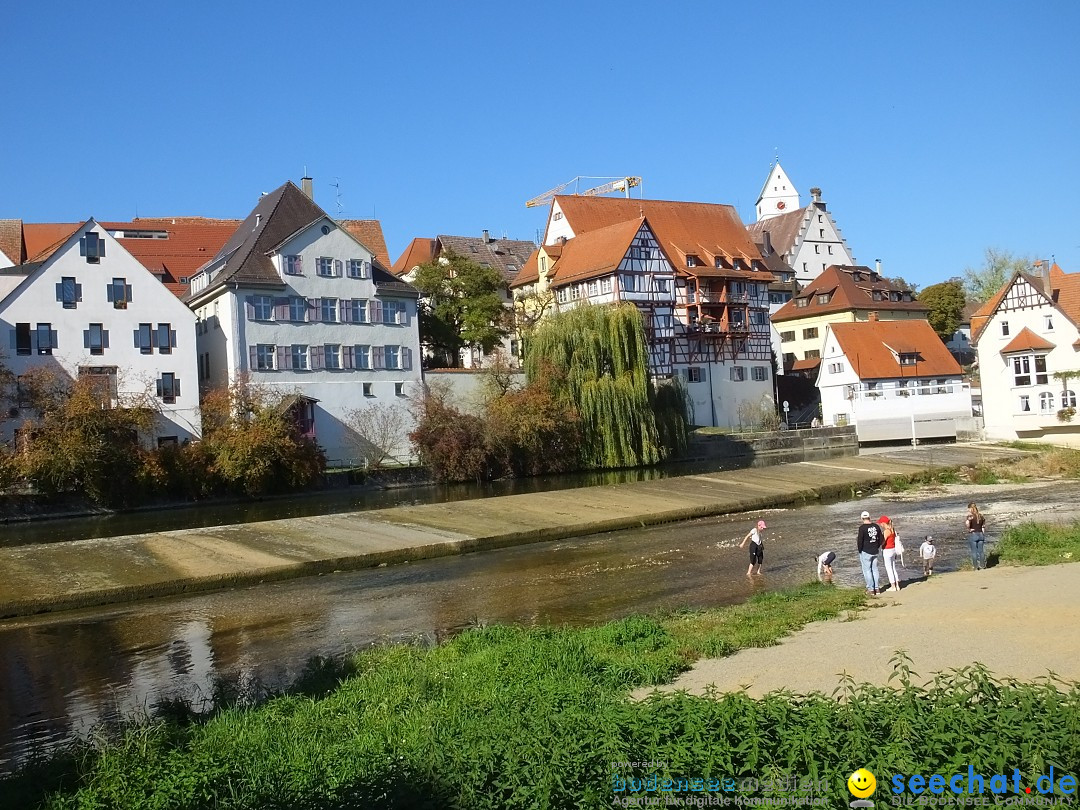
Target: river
(64, 674)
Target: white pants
(891, 556)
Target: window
(778, 298)
(824, 298)
(92, 247)
(168, 441)
(1040, 369)
(358, 268)
(838, 368)
(1004, 328)
(328, 310)
(367, 390)
(394, 312)
(802, 302)
(821, 233)
(757, 316)
(168, 388)
(908, 358)
(691, 260)
(639, 252)
(787, 337)
(817, 248)
(1049, 323)
(46, 338)
(298, 356)
(810, 333)
(738, 373)
(819, 218)
(96, 338)
(324, 266)
(663, 285)
(332, 356)
(362, 357)
(260, 307)
(662, 321)
(830, 250)
(1068, 399)
(605, 285)
(789, 359)
(561, 295)
(68, 292)
(1046, 401)
(102, 381)
(297, 309)
(293, 266)
(575, 292)
(166, 338)
(144, 341)
(1021, 371)
(399, 389)
(1025, 403)
(695, 374)
(262, 357)
(392, 357)
(810, 355)
(759, 373)
(119, 293)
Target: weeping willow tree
(595, 359)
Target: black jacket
(870, 538)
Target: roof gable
(873, 348)
(848, 288)
(421, 250)
(1027, 341)
(783, 230)
(369, 233)
(1063, 286)
(596, 253)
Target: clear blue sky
(934, 129)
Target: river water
(62, 675)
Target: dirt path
(1019, 622)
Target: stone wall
(729, 445)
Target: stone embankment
(84, 573)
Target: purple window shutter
(282, 356)
(281, 309)
(104, 338)
(374, 311)
(313, 310)
(365, 270)
(406, 358)
(253, 358)
(299, 264)
(347, 357)
(337, 267)
(378, 357)
(249, 307)
(403, 314)
(318, 357)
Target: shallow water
(61, 675)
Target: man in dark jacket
(869, 543)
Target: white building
(1025, 335)
(299, 304)
(692, 271)
(892, 380)
(91, 309)
(806, 238)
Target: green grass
(1038, 544)
(509, 717)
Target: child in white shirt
(927, 552)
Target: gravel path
(1019, 622)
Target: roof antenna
(776, 152)
(336, 185)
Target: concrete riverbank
(58, 576)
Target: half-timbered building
(1028, 347)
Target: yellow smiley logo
(861, 783)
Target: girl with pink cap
(757, 547)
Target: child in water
(927, 553)
(757, 547)
(824, 564)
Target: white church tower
(778, 195)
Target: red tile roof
(369, 233)
(11, 243)
(806, 364)
(420, 251)
(870, 346)
(846, 294)
(704, 230)
(594, 253)
(1027, 341)
(530, 271)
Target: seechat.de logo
(862, 785)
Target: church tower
(778, 195)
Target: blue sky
(934, 129)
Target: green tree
(998, 267)
(461, 307)
(946, 301)
(903, 284)
(595, 360)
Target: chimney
(487, 237)
(766, 243)
(877, 264)
(307, 187)
(561, 240)
(1042, 270)
(815, 192)
(872, 316)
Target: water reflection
(61, 675)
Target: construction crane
(614, 184)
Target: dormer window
(802, 302)
(906, 297)
(691, 260)
(908, 358)
(824, 298)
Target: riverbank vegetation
(1038, 544)
(1043, 462)
(509, 717)
(588, 403)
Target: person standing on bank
(890, 551)
(975, 524)
(869, 543)
(757, 547)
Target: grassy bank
(1038, 544)
(508, 717)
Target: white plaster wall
(818, 259)
(778, 188)
(1003, 419)
(35, 301)
(716, 398)
(5, 261)
(557, 226)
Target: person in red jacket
(890, 552)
